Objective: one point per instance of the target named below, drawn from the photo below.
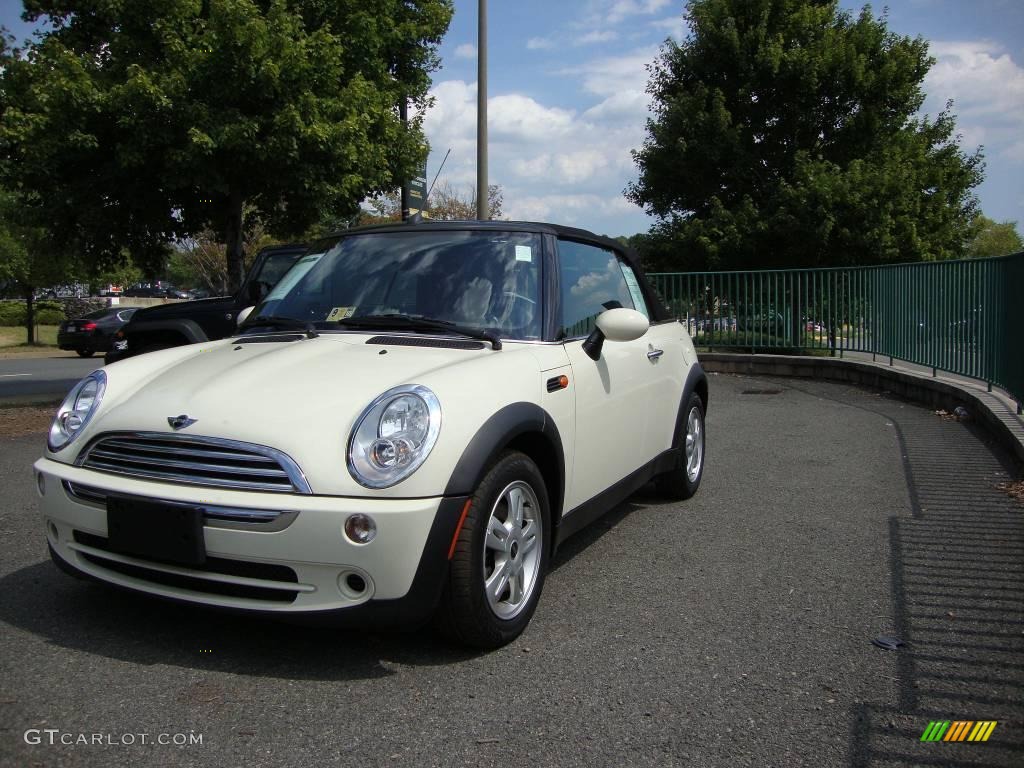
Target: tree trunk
(30, 316)
(234, 237)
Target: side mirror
(619, 324)
(243, 316)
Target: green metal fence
(964, 317)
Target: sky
(567, 101)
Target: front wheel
(682, 481)
(500, 557)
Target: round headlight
(393, 436)
(76, 410)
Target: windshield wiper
(275, 321)
(419, 323)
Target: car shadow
(119, 625)
(107, 622)
(595, 531)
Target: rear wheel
(500, 557)
(85, 352)
(682, 481)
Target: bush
(12, 313)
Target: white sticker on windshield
(340, 313)
(524, 253)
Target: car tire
(500, 556)
(85, 352)
(682, 481)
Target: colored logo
(959, 730)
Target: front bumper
(298, 562)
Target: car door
(614, 395)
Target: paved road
(42, 378)
(731, 630)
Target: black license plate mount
(154, 530)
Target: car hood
(303, 397)
(181, 308)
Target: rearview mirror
(618, 324)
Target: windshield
(478, 279)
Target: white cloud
(674, 26)
(567, 167)
(987, 89)
(466, 51)
(597, 36)
(540, 43)
(565, 208)
(618, 10)
(611, 75)
(514, 116)
(555, 164)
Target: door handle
(653, 354)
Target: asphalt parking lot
(731, 630)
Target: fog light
(41, 483)
(360, 529)
(355, 586)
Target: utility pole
(481, 113)
(403, 115)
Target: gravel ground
(28, 420)
(731, 630)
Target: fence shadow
(957, 576)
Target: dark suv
(173, 325)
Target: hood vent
(421, 341)
(269, 338)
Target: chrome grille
(194, 460)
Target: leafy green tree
(786, 133)
(991, 238)
(138, 123)
(29, 259)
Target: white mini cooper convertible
(406, 427)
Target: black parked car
(93, 332)
(188, 322)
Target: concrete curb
(992, 413)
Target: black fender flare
(696, 381)
(190, 329)
(504, 426)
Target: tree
(143, 122)
(199, 260)
(990, 238)
(446, 203)
(785, 133)
(28, 257)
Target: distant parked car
(67, 291)
(93, 332)
(145, 292)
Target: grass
(46, 336)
